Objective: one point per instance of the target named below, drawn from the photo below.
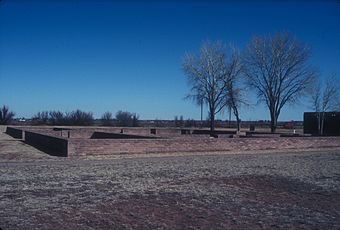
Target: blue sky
(126, 55)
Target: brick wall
(168, 132)
(43, 130)
(14, 132)
(105, 135)
(51, 145)
(50, 141)
(136, 131)
(119, 146)
(88, 132)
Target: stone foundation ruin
(73, 142)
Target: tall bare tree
(210, 74)
(276, 67)
(235, 96)
(206, 75)
(325, 97)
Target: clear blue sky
(126, 55)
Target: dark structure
(331, 123)
(13, 132)
(52, 145)
(102, 135)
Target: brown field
(272, 189)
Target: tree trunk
(201, 111)
(272, 127)
(273, 122)
(238, 125)
(229, 125)
(319, 122)
(322, 122)
(237, 118)
(212, 121)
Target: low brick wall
(216, 132)
(88, 132)
(167, 132)
(136, 131)
(49, 144)
(104, 135)
(81, 147)
(163, 132)
(79, 133)
(43, 130)
(50, 141)
(15, 132)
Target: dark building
(331, 123)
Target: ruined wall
(123, 146)
(105, 135)
(80, 142)
(168, 132)
(136, 131)
(88, 132)
(51, 145)
(14, 132)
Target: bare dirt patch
(261, 202)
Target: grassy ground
(271, 190)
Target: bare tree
(107, 119)
(41, 118)
(127, 119)
(276, 67)
(79, 117)
(234, 97)
(209, 75)
(56, 117)
(325, 98)
(6, 116)
(234, 102)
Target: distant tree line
(180, 122)
(81, 118)
(121, 119)
(76, 117)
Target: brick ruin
(73, 142)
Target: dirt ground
(264, 190)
